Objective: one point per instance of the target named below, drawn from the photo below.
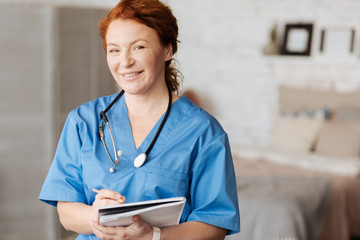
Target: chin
(133, 91)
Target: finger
(139, 227)
(105, 233)
(139, 223)
(109, 194)
(137, 220)
(95, 230)
(106, 193)
(109, 202)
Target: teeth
(130, 75)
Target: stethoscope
(141, 158)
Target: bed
(305, 185)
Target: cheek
(112, 63)
(154, 62)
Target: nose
(126, 59)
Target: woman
(187, 151)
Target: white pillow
(295, 133)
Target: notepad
(161, 213)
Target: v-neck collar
(148, 139)
(123, 133)
(120, 123)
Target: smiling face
(136, 57)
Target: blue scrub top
(191, 158)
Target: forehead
(128, 30)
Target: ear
(168, 53)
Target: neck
(146, 105)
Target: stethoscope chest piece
(140, 160)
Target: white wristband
(156, 233)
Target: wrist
(156, 233)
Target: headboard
(301, 99)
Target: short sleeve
(213, 187)
(64, 179)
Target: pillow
(295, 133)
(339, 139)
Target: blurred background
(233, 53)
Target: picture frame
(337, 41)
(297, 39)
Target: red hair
(155, 15)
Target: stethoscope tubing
(113, 140)
(161, 124)
(104, 118)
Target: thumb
(140, 224)
(137, 220)
(141, 227)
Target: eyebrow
(131, 43)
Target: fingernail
(117, 195)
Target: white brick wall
(220, 55)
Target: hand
(106, 197)
(138, 230)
